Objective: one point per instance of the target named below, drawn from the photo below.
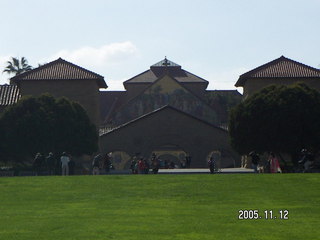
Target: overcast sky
(215, 39)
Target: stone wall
(254, 85)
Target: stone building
(282, 71)
(165, 110)
(64, 79)
(168, 111)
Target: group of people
(101, 163)
(272, 166)
(53, 165)
(305, 162)
(140, 165)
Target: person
(37, 163)
(50, 163)
(65, 164)
(72, 166)
(146, 166)
(211, 164)
(306, 159)
(107, 163)
(141, 166)
(274, 164)
(155, 164)
(172, 165)
(134, 165)
(255, 161)
(96, 165)
(188, 161)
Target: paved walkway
(203, 171)
(190, 171)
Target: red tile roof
(9, 94)
(60, 70)
(280, 68)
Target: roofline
(127, 81)
(206, 81)
(243, 77)
(99, 77)
(158, 79)
(158, 110)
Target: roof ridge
(60, 69)
(61, 60)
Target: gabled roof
(159, 110)
(9, 94)
(280, 68)
(162, 68)
(60, 69)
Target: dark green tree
(45, 124)
(17, 66)
(282, 119)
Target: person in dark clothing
(96, 164)
(50, 163)
(146, 166)
(107, 163)
(38, 163)
(72, 166)
(211, 164)
(155, 163)
(255, 159)
(188, 161)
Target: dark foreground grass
(159, 207)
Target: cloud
(106, 55)
(225, 79)
(110, 60)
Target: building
(164, 110)
(64, 79)
(282, 71)
(168, 111)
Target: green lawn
(159, 207)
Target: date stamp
(265, 214)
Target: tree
(282, 119)
(16, 66)
(45, 124)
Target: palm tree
(16, 66)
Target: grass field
(159, 207)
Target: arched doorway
(170, 156)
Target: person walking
(65, 164)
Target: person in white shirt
(65, 164)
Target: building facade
(281, 71)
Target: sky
(217, 40)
